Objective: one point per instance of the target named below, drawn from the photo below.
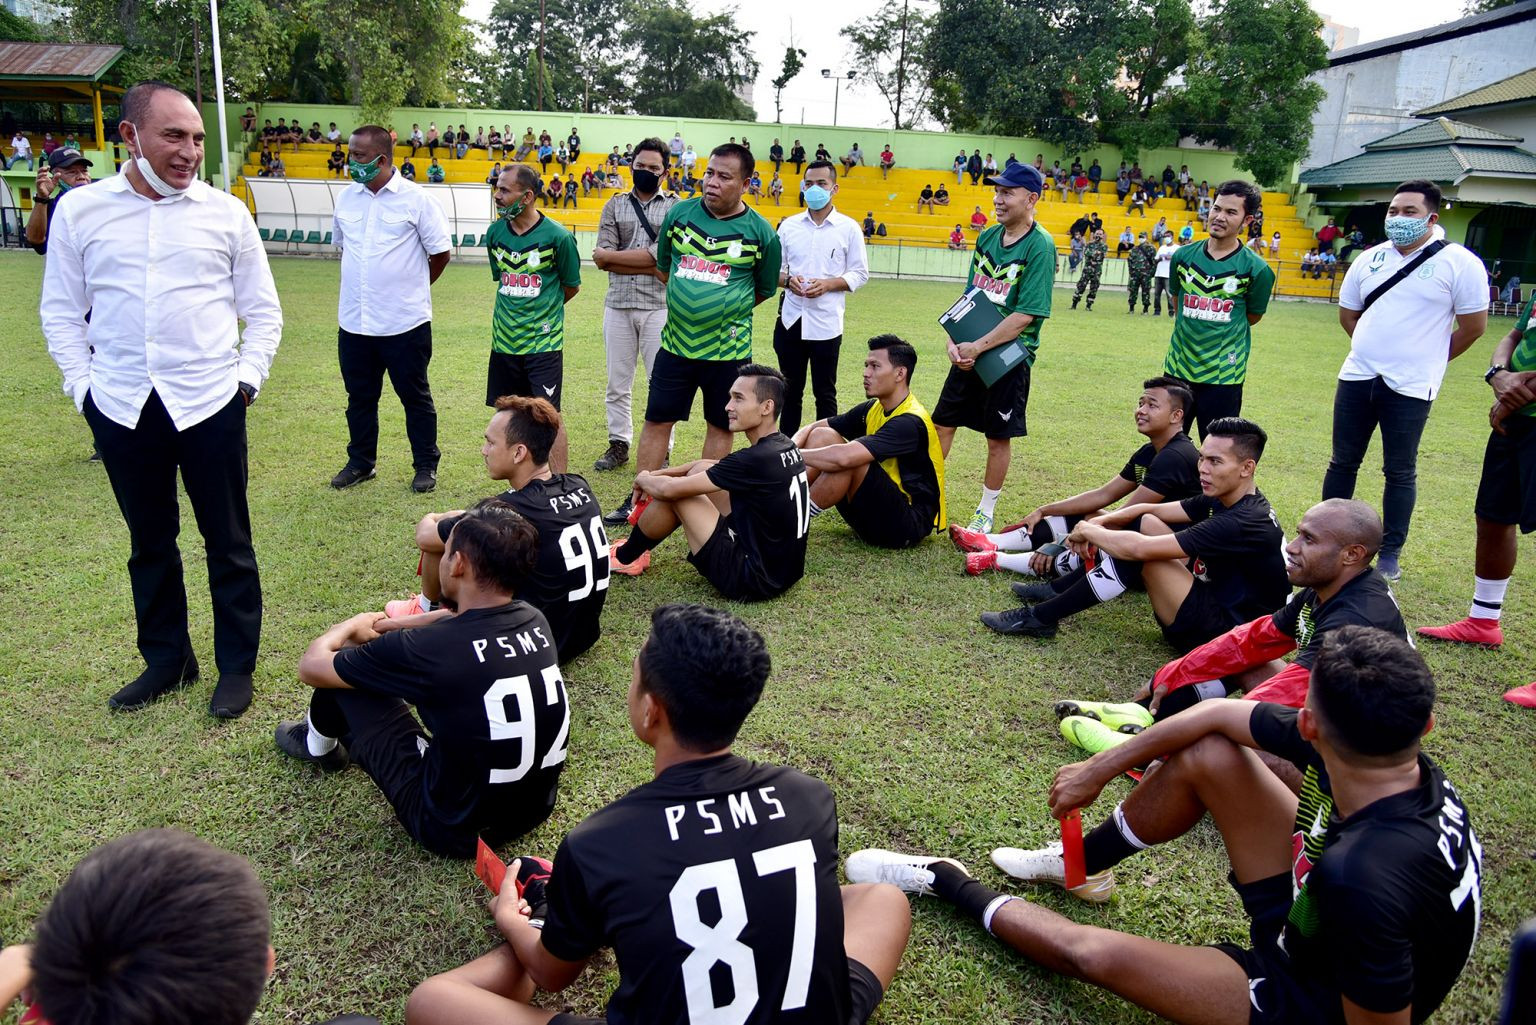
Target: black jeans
(142, 463)
(794, 354)
(1159, 286)
(1358, 408)
(364, 361)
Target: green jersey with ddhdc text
(1214, 298)
(532, 272)
(716, 267)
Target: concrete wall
(1517, 119)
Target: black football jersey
(1172, 471)
(1239, 552)
(1366, 600)
(770, 507)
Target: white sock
(1012, 541)
(1488, 598)
(988, 503)
(993, 908)
(816, 510)
(1124, 829)
(317, 742)
(1018, 562)
(426, 603)
(1058, 525)
(1209, 689)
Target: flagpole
(218, 84)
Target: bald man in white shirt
(168, 266)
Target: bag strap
(1402, 272)
(640, 214)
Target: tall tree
(794, 62)
(891, 46)
(583, 56)
(692, 65)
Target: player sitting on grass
(880, 462)
(1330, 560)
(745, 516)
(484, 680)
(1165, 469)
(569, 582)
(1208, 563)
(153, 928)
(715, 883)
(1363, 895)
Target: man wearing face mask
(394, 243)
(823, 260)
(1409, 305)
(168, 267)
(636, 304)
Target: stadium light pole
(218, 85)
(837, 84)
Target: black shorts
(864, 992)
(882, 515)
(1201, 618)
(727, 565)
(996, 412)
(676, 379)
(1507, 491)
(1212, 402)
(537, 375)
(1277, 995)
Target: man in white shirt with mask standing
(823, 260)
(168, 266)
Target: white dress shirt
(166, 282)
(832, 249)
(385, 239)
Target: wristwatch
(249, 393)
(1497, 368)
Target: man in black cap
(64, 169)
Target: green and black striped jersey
(1017, 277)
(1211, 335)
(716, 270)
(532, 272)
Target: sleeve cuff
(78, 391)
(250, 375)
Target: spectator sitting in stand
(1309, 261)
(978, 220)
(493, 144)
(887, 161)
(336, 163)
(277, 169)
(461, 143)
(479, 140)
(776, 188)
(554, 189)
(1327, 263)
(546, 154)
(314, 134)
(333, 134)
(408, 170)
(957, 239)
(1127, 242)
(755, 185)
(629, 155)
(1075, 251)
(416, 139)
(614, 181)
(570, 191)
(1079, 185)
(614, 158)
(528, 144)
(590, 182)
(822, 153)
(869, 225)
(1139, 201)
(925, 198)
(854, 157)
(490, 179)
(435, 173)
(941, 195)
(248, 120)
(989, 166)
(1274, 246)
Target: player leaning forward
(1014, 264)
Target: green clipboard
(972, 317)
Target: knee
(821, 437)
(429, 1001)
(1211, 757)
(1149, 524)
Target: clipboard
(972, 317)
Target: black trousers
(364, 361)
(1212, 402)
(142, 462)
(794, 355)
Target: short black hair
(741, 153)
(379, 137)
(1252, 197)
(656, 146)
(1424, 187)
(768, 383)
(531, 422)
(820, 165)
(1248, 438)
(1177, 390)
(707, 668)
(154, 928)
(135, 102)
(1372, 690)
(897, 351)
(527, 178)
(499, 543)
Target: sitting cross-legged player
(1208, 563)
(570, 580)
(745, 516)
(484, 679)
(715, 883)
(1164, 469)
(880, 462)
(1363, 895)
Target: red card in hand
(490, 868)
(1072, 848)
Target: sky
(814, 27)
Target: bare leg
(652, 450)
(1167, 581)
(559, 452)
(717, 442)
(491, 990)
(877, 920)
(946, 438)
(1497, 550)
(999, 456)
(699, 517)
(432, 549)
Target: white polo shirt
(385, 239)
(1405, 337)
(832, 249)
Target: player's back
(716, 886)
(570, 581)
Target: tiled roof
(1510, 90)
(1438, 132)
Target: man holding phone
(64, 169)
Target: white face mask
(162, 187)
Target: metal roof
(1445, 163)
(43, 62)
(1513, 89)
(1508, 14)
(1440, 131)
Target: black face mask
(645, 181)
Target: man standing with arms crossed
(1401, 338)
(823, 258)
(168, 267)
(394, 243)
(636, 304)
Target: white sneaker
(908, 872)
(1046, 865)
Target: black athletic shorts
(864, 991)
(1212, 402)
(536, 375)
(996, 412)
(725, 563)
(1507, 491)
(1277, 995)
(1201, 618)
(882, 515)
(676, 379)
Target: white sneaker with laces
(909, 872)
(1047, 865)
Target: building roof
(44, 62)
(1514, 89)
(1507, 15)
(1440, 131)
(1446, 163)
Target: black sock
(1066, 580)
(1104, 848)
(961, 890)
(635, 546)
(1074, 599)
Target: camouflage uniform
(1093, 266)
(1143, 261)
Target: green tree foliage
(794, 63)
(890, 47)
(692, 65)
(16, 29)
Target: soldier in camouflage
(1093, 266)
(1143, 261)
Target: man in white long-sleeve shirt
(168, 266)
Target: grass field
(934, 734)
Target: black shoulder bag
(1402, 272)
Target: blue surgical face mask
(1405, 231)
(817, 197)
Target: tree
(692, 65)
(891, 48)
(794, 62)
(16, 29)
(583, 57)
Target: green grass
(934, 734)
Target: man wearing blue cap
(1014, 265)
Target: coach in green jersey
(1220, 289)
(719, 258)
(537, 271)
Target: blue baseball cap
(1019, 176)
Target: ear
(1429, 724)
(1306, 724)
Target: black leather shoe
(153, 684)
(293, 740)
(351, 475)
(616, 456)
(620, 516)
(424, 481)
(1019, 622)
(231, 696)
(1033, 594)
